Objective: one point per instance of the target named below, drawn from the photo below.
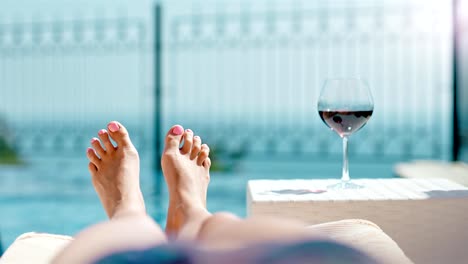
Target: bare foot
(115, 172)
(186, 171)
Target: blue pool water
(56, 196)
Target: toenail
(114, 127)
(89, 150)
(188, 131)
(196, 137)
(102, 132)
(94, 140)
(177, 130)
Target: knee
(218, 219)
(223, 216)
(215, 222)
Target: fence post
(1, 246)
(157, 93)
(455, 54)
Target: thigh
(226, 231)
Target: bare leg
(186, 171)
(115, 176)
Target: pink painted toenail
(114, 127)
(177, 130)
(90, 150)
(94, 140)
(102, 132)
(188, 131)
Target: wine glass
(345, 105)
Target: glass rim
(358, 81)
(356, 78)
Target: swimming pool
(56, 195)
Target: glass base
(344, 185)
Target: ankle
(189, 209)
(127, 210)
(196, 217)
(196, 212)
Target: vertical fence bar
(1, 246)
(455, 132)
(157, 93)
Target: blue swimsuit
(315, 251)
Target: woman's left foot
(115, 171)
(187, 174)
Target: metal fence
(62, 80)
(250, 78)
(246, 79)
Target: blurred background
(244, 75)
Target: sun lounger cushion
(34, 248)
(40, 248)
(365, 236)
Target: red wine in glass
(345, 122)
(345, 105)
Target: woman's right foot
(115, 171)
(186, 171)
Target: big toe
(173, 138)
(119, 133)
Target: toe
(173, 138)
(188, 141)
(91, 154)
(104, 136)
(204, 153)
(196, 147)
(119, 134)
(98, 147)
(92, 168)
(207, 163)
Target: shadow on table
(447, 194)
(293, 191)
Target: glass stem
(345, 176)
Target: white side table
(428, 218)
